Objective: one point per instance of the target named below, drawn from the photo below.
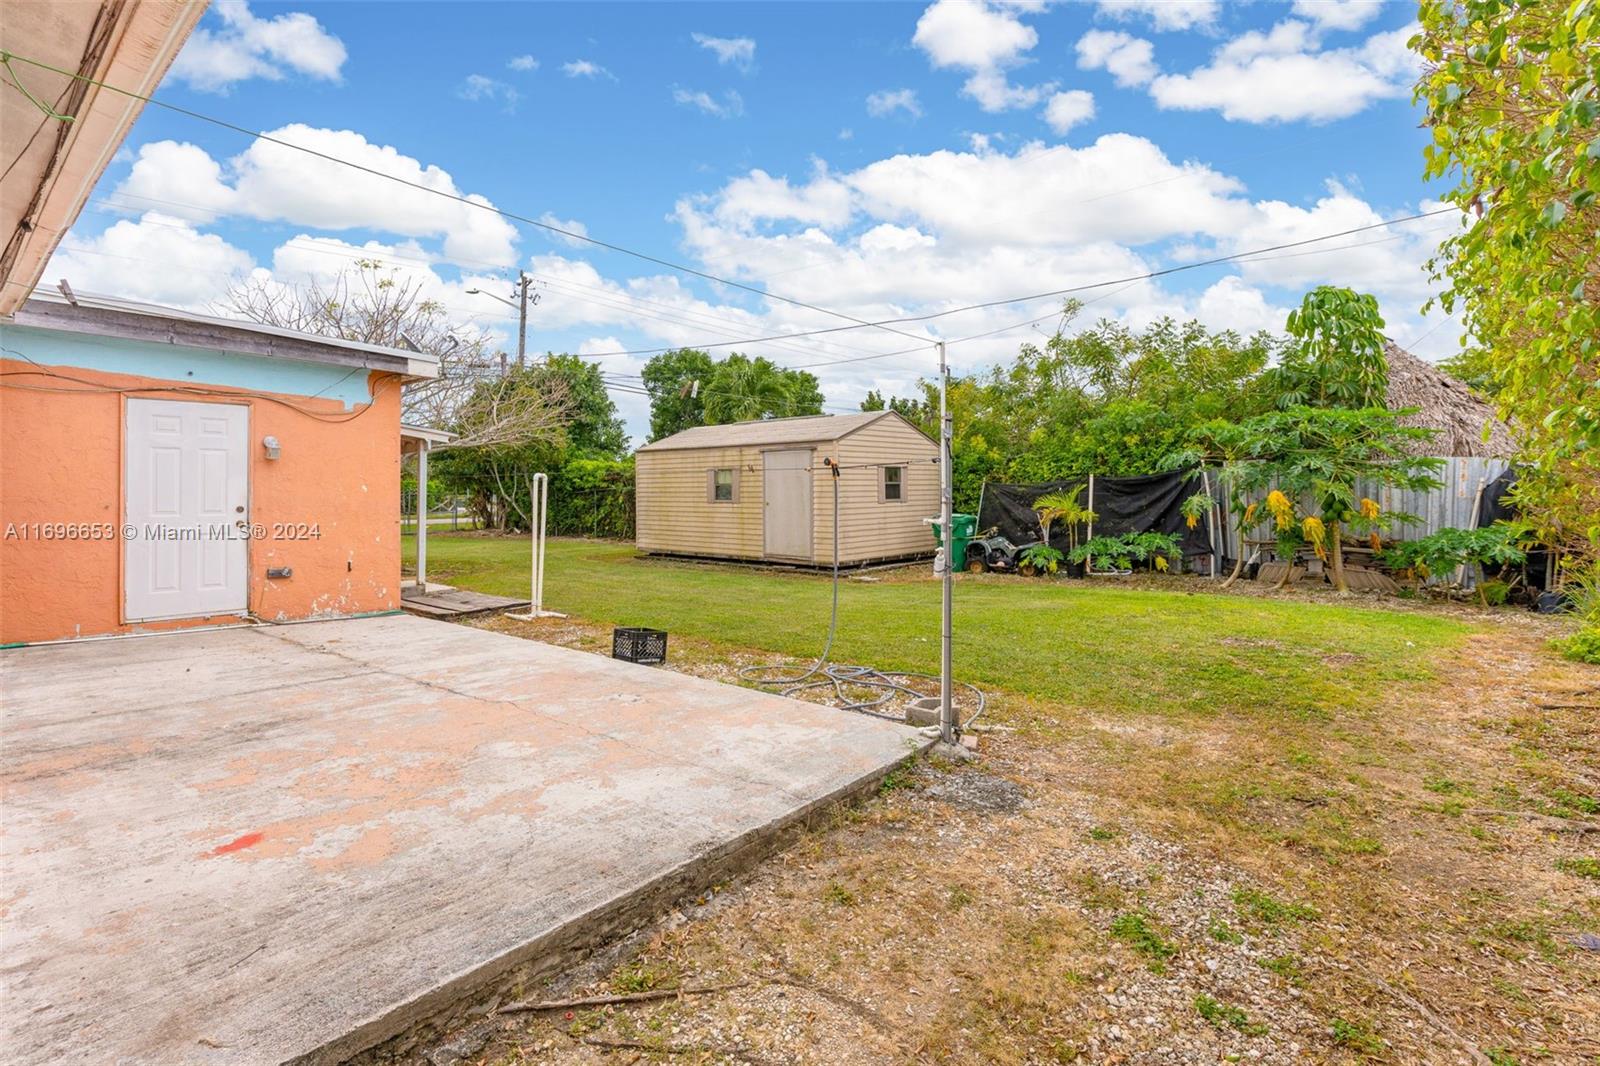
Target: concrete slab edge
(388, 1037)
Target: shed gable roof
(805, 429)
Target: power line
(1245, 256)
(1054, 293)
(887, 324)
(315, 244)
(1028, 160)
(457, 198)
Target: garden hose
(822, 674)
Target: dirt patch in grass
(1406, 879)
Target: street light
(492, 296)
(521, 306)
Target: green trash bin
(965, 527)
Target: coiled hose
(888, 684)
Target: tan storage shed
(761, 491)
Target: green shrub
(1120, 553)
(1582, 647)
(1043, 558)
(1494, 592)
(1439, 553)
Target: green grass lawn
(1093, 644)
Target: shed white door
(187, 489)
(786, 498)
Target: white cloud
(158, 258)
(274, 182)
(1068, 109)
(1129, 60)
(249, 47)
(1281, 76)
(972, 35)
(1041, 196)
(179, 179)
(1338, 14)
(583, 68)
(307, 257)
(759, 197)
(1231, 303)
(886, 102)
(596, 345)
(1164, 14)
(730, 105)
(1389, 259)
(570, 225)
(914, 234)
(730, 51)
(524, 62)
(986, 39)
(993, 91)
(478, 87)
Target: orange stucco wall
(61, 461)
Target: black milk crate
(635, 645)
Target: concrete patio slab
(289, 843)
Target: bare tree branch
(375, 304)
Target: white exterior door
(187, 486)
(786, 500)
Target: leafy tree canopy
(1110, 399)
(1336, 358)
(1512, 91)
(675, 400)
(736, 389)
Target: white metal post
(947, 727)
(538, 517)
(541, 485)
(1088, 560)
(422, 516)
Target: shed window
(894, 484)
(722, 485)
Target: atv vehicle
(990, 551)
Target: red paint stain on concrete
(237, 844)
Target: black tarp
(1496, 503)
(1496, 506)
(1122, 505)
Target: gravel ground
(1056, 902)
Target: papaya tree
(1324, 457)
(1227, 446)
(1447, 549)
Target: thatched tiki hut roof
(1446, 405)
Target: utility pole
(522, 300)
(522, 318)
(947, 723)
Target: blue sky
(875, 159)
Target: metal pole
(543, 481)
(522, 318)
(947, 727)
(422, 517)
(1088, 560)
(539, 519)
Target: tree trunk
(1336, 552)
(1238, 565)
